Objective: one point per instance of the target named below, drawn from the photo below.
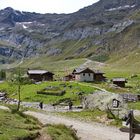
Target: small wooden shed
(40, 75)
(69, 77)
(99, 76)
(119, 81)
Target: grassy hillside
(17, 126)
(50, 64)
(14, 126)
(122, 65)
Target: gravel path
(4, 108)
(86, 131)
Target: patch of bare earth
(43, 136)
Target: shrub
(2, 75)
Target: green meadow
(29, 91)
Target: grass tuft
(61, 132)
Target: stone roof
(81, 69)
(37, 71)
(119, 80)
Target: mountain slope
(97, 32)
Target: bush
(2, 75)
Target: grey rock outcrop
(119, 27)
(103, 101)
(81, 33)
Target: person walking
(70, 104)
(41, 105)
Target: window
(115, 103)
(89, 74)
(83, 74)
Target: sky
(46, 6)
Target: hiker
(54, 106)
(41, 105)
(70, 104)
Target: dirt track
(87, 131)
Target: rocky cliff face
(90, 31)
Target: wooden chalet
(84, 74)
(119, 82)
(40, 75)
(87, 75)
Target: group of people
(70, 104)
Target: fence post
(131, 134)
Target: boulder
(104, 102)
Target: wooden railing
(134, 125)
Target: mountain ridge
(89, 33)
